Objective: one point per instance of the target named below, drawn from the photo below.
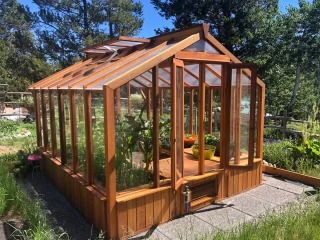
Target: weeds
(300, 221)
(14, 200)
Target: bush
(279, 153)
(136, 101)
(8, 127)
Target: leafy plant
(165, 132)
(211, 139)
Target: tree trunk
(295, 89)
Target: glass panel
(144, 59)
(201, 46)
(57, 124)
(46, 100)
(98, 139)
(258, 125)
(40, 118)
(133, 139)
(165, 135)
(67, 123)
(180, 123)
(240, 117)
(81, 140)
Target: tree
(239, 25)
(65, 27)
(21, 62)
(285, 46)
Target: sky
(152, 19)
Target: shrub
(8, 127)
(279, 153)
(136, 101)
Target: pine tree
(65, 27)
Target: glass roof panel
(125, 68)
(143, 82)
(115, 65)
(212, 79)
(201, 46)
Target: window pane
(133, 138)
(81, 140)
(180, 123)
(98, 139)
(67, 123)
(57, 125)
(240, 117)
(48, 130)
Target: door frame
(175, 182)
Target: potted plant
(189, 140)
(210, 142)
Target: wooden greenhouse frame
(163, 70)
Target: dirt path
(7, 149)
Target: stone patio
(274, 194)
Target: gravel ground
(61, 214)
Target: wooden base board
(144, 208)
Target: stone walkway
(273, 195)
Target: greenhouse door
(177, 123)
(240, 115)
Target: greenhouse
(126, 132)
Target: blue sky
(153, 20)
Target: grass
(300, 221)
(14, 202)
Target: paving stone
(224, 218)
(249, 204)
(273, 195)
(188, 227)
(285, 185)
(2, 231)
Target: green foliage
(284, 45)
(129, 135)
(65, 27)
(300, 221)
(304, 157)
(136, 101)
(3, 197)
(12, 198)
(21, 62)
(279, 153)
(8, 128)
(211, 139)
(165, 132)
